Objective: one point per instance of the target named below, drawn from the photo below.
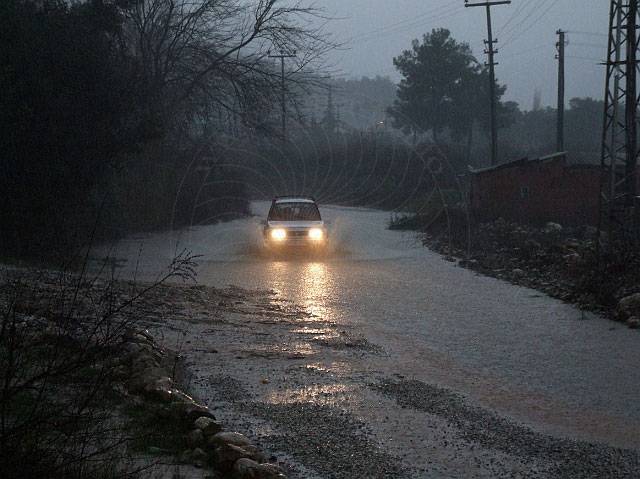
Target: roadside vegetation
(117, 114)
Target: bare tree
(214, 52)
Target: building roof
(519, 162)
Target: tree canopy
(443, 87)
(121, 101)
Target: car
(294, 221)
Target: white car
(294, 221)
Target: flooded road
(509, 350)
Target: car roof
(293, 199)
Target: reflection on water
(308, 284)
(313, 331)
(327, 394)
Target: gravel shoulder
(319, 398)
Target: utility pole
(560, 56)
(491, 51)
(329, 119)
(618, 195)
(283, 100)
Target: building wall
(537, 192)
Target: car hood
(295, 224)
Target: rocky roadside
(151, 384)
(93, 338)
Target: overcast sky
(374, 31)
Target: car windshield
(294, 212)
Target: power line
(513, 16)
(401, 23)
(577, 57)
(406, 27)
(589, 45)
(595, 34)
(536, 48)
(527, 15)
(514, 37)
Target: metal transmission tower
(283, 87)
(491, 51)
(618, 198)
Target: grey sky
(375, 31)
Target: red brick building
(537, 191)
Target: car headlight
(316, 234)
(278, 234)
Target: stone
(137, 348)
(120, 372)
(140, 338)
(468, 263)
(552, 227)
(633, 322)
(195, 438)
(256, 454)
(191, 410)
(137, 382)
(147, 366)
(208, 426)
(271, 471)
(629, 306)
(590, 232)
(201, 422)
(199, 455)
(160, 389)
(245, 468)
(572, 260)
(154, 450)
(518, 273)
(227, 454)
(234, 438)
(249, 469)
(146, 334)
(186, 456)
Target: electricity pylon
(619, 158)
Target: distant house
(537, 191)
